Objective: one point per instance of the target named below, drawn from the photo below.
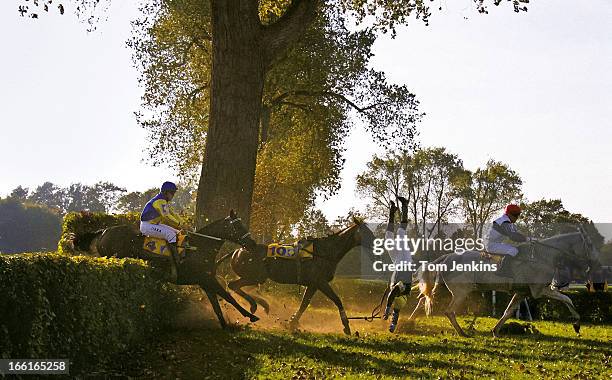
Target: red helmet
(512, 209)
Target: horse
(532, 277)
(198, 267)
(253, 268)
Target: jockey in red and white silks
(502, 229)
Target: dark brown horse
(253, 267)
(198, 267)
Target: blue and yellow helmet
(168, 186)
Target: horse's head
(229, 228)
(581, 253)
(363, 235)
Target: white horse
(531, 277)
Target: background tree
(247, 37)
(382, 182)
(183, 201)
(309, 93)
(546, 218)
(486, 191)
(314, 223)
(28, 227)
(432, 176)
(427, 179)
(19, 193)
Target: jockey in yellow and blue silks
(159, 220)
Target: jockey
(401, 280)
(502, 228)
(160, 221)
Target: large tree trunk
(238, 71)
(242, 51)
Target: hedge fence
(82, 222)
(86, 309)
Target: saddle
(160, 246)
(491, 257)
(302, 249)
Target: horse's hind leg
(556, 295)
(329, 292)
(253, 300)
(420, 304)
(295, 318)
(212, 297)
(510, 309)
(456, 301)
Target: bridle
(587, 246)
(241, 239)
(231, 221)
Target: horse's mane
(554, 239)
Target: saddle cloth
(160, 246)
(297, 250)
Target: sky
(532, 90)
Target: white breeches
(502, 249)
(161, 231)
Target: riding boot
(395, 291)
(174, 261)
(394, 319)
(391, 220)
(404, 220)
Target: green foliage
(593, 307)
(183, 201)
(428, 179)
(82, 222)
(85, 309)
(486, 191)
(27, 227)
(101, 197)
(546, 218)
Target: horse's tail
(428, 280)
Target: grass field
(198, 349)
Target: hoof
(293, 326)
(347, 330)
(253, 318)
(253, 309)
(577, 328)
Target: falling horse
(253, 267)
(198, 267)
(531, 277)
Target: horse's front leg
(211, 284)
(237, 285)
(458, 296)
(329, 292)
(557, 295)
(295, 318)
(212, 297)
(510, 309)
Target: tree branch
(289, 27)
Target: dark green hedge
(81, 222)
(86, 309)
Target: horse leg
(510, 309)
(237, 285)
(420, 304)
(295, 318)
(212, 297)
(329, 292)
(213, 286)
(456, 300)
(557, 295)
